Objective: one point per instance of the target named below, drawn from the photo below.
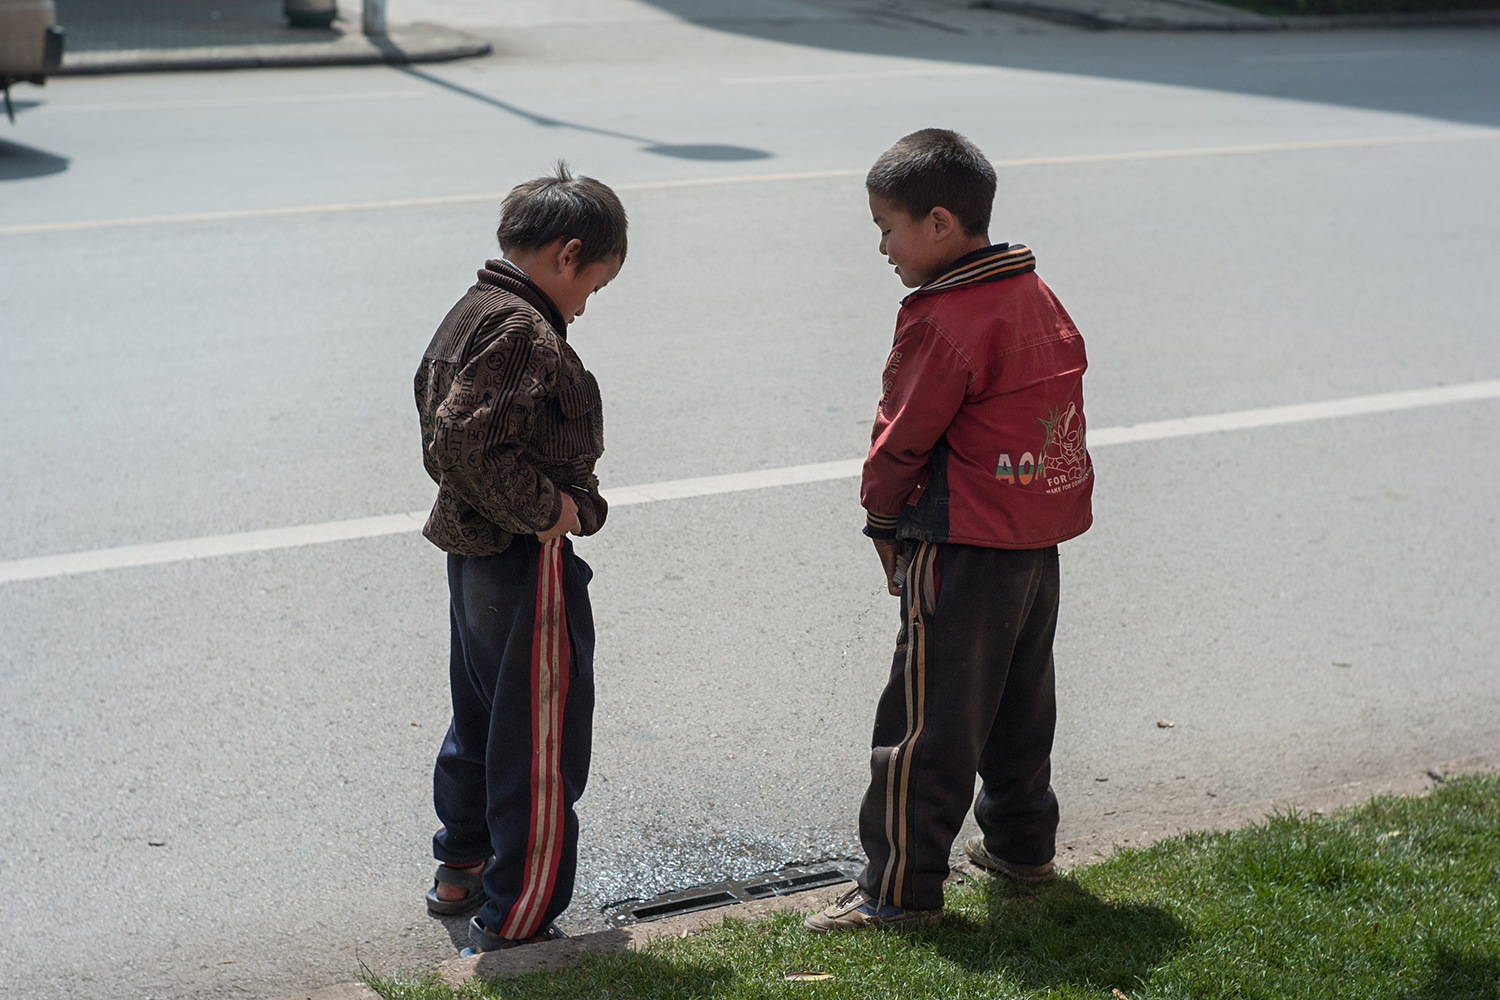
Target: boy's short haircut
(563, 207)
(936, 167)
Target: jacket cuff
(880, 525)
(592, 509)
(556, 514)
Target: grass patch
(1302, 8)
(1398, 898)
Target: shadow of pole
(679, 151)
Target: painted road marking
(123, 557)
(494, 197)
(1272, 416)
(873, 74)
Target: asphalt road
(215, 774)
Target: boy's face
(919, 249)
(576, 284)
(555, 270)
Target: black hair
(563, 207)
(936, 167)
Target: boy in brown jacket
(511, 429)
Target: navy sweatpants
(516, 756)
(970, 690)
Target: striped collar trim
(503, 274)
(1003, 260)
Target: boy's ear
(943, 223)
(568, 255)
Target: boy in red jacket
(977, 470)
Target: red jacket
(979, 437)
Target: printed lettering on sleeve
(888, 378)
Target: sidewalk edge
(1235, 19)
(559, 954)
(400, 47)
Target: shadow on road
(1451, 74)
(456, 927)
(18, 162)
(681, 152)
(113, 25)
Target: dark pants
(971, 690)
(516, 756)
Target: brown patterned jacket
(510, 417)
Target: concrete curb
(1214, 17)
(1089, 848)
(553, 955)
(559, 954)
(417, 43)
(343, 991)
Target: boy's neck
(956, 252)
(968, 246)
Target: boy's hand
(887, 549)
(567, 521)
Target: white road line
(1272, 416)
(1252, 148)
(494, 197)
(871, 74)
(128, 556)
(42, 567)
(734, 482)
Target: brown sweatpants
(971, 691)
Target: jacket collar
(1003, 260)
(504, 274)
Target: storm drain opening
(707, 897)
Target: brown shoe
(856, 909)
(1027, 874)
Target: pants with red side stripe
(970, 691)
(516, 756)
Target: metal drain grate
(706, 897)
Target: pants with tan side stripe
(516, 756)
(970, 691)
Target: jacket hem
(990, 543)
(443, 545)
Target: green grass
(1398, 898)
(1300, 8)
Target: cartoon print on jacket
(1065, 459)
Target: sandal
(470, 880)
(484, 940)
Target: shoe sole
(479, 937)
(995, 866)
(454, 907)
(920, 919)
